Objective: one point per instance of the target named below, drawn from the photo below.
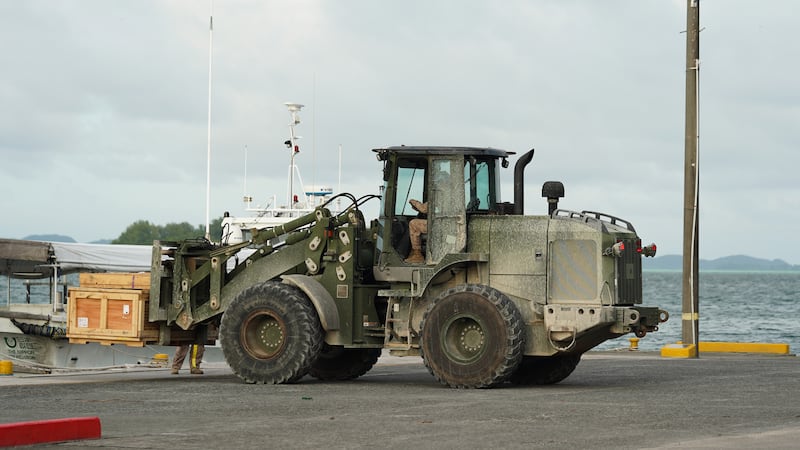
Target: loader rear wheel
(271, 334)
(544, 369)
(339, 363)
(472, 337)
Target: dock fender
(321, 298)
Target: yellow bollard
(160, 360)
(634, 344)
(6, 368)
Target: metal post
(291, 174)
(56, 303)
(691, 196)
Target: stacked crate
(111, 308)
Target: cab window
(410, 185)
(477, 187)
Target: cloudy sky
(104, 107)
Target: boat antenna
(208, 156)
(247, 198)
(339, 187)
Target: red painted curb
(56, 430)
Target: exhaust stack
(519, 185)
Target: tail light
(649, 250)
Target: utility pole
(691, 176)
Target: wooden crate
(109, 316)
(119, 280)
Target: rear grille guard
(629, 274)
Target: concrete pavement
(612, 400)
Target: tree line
(142, 232)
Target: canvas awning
(102, 257)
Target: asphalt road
(613, 400)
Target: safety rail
(588, 215)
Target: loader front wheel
(544, 369)
(339, 363)
(271, 334)
(472, 337)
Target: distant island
(731, 263)
(60, 238)
(49, 238)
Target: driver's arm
(419, 206)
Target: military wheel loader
(500, 296)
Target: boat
(299, 201)
(33, 318)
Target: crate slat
(118, 280)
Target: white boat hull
(40, 354)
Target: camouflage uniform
(195, 358)
(416, 228)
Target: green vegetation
(142, 232)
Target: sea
(733, 306)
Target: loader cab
(455, 182)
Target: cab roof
(440, 150)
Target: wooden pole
(691, 240)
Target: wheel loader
(498, 296)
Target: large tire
(271, 334)
(339, 363)
(544, 369)
(472, 337)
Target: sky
(104, 117)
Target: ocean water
(36, 291)
(734, 306)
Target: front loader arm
(192, 281)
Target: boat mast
(294, 109)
